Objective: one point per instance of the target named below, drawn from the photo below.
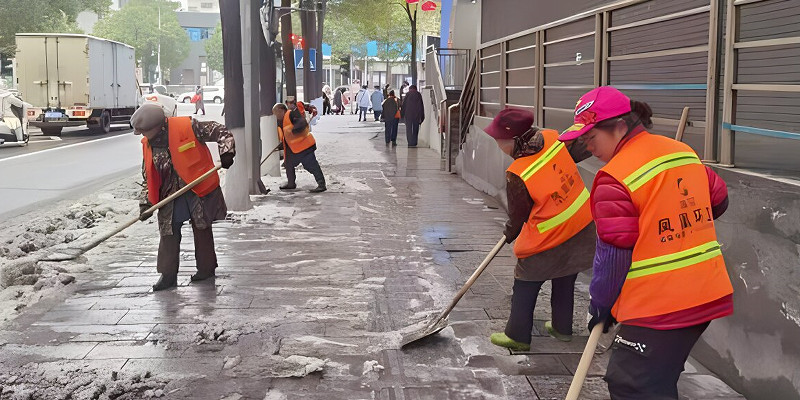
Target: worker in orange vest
(298, 144)
(174, 154)
(658, 267)
(549, 218)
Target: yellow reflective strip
(564, 215)
(649, 171)
(542, 161)
(675, 261)
(186, 146)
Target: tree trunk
(232, 58)
(307, 31)
(288, 50)
(414, 50)
(320, 74)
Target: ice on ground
(372, 369)
(313, 340)
(275, 394)
(34, 381)
(298, 366)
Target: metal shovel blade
(428, 330)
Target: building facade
(194, 69)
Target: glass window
(198, 34)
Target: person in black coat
(413, 110)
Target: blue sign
(298, 59)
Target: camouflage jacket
(204, 210)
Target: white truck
(74, 80)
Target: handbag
(195, 98)
(397, 114)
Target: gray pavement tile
(135, 350)
(81, 317)
(186, 315)
(556, 387)
(549, 345)
(468, 315)
(703, 386)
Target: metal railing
(454, 64)
(534, 69)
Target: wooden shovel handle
(586, 361)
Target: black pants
(646, 363)
(391, 130)
(170, 246)
(523, 302)
(326, 108)
(310, 163)
(377, 115)
(412, 133)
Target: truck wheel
(104, 124)
(51, 131)
(217, 100)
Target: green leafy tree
(214, 50)
(393, 24)
(42, 16)
(136, 24)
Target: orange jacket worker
(174, 154)
(658, 268)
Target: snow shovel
(583, 365)
(441, 322)
(73, 253)
(270, 153)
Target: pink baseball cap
(510, 123)
(598, 105)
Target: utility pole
(251, 39)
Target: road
(50, 169)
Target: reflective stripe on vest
(560, 199)
(675, 261)
(564, 215)
(650, 170)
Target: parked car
(13, 123)
(210, 93)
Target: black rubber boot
(288, 186)
(320, 187)
(202, 276)
(166, 282)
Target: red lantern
(428, 6)
(412, 1)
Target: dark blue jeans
(391, 130)
(377, 115)
(362, 111)
(310, 163)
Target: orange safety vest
(560, 199)
(677, 262)
(190, 159)
(297, 142)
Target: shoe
(288, 186)
(202, 276)
(166, 282)
(500, 339)
(319, 189)
(387, 144)
(394, 144)
(554, 333)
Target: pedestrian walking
(198, 101)
(376, 98)
(413, 111)
(549, 221)
(658, 267)
(391, 117)
(326, 104)
(174, 153)
(337, 101)
(298, 144)
(355, 88)
(404, 88)
(363, 103)
(386, 91)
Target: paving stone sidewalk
(312, 293)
